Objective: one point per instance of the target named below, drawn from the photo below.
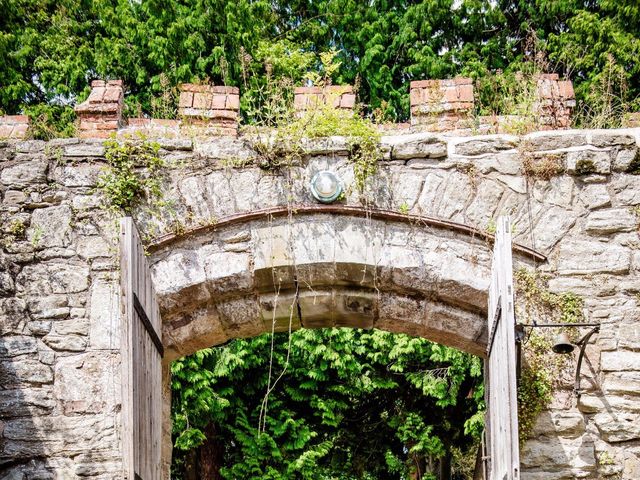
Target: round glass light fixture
(326, 187)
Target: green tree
(51, 49)
(599, 51)
(342, 404)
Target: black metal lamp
(562, 345)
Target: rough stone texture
(59, 393)
(59, 320)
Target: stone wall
(59, 344)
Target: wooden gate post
(501, 426)
(142, 352)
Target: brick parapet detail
(441, 104)
(631, 120)
(214, 109)
(555, 102)
(208, 110)
(339, 96)
(14, 126)
(100, 114)
(153, 127)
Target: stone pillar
(441, 104)
(556, 101)
(101, 114)
(340, 96)
(60, 398)
(214, 109)
(14, 126)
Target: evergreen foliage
(51, 49)
(350, 404)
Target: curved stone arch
(324, 267)
(317, 267)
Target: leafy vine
(133, 173)
(285, 141)
(540, 371)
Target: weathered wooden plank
(142, 361)
(500, 377)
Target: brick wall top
(192, 87)
(550, 86)
(441, 105)
(209, 101)
(14, 126)
(105, 97)
(210, 109)
(436, 105)
(556, 101)
(100, 115)
(340, 96)
(434, 96)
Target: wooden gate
(501, 427)
(142, 351)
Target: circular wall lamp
(326, 187)
(562, 345)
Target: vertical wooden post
(142, 351)
(500, 373)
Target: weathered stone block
(51, 306)
(595, 196)
(618, 427)
(620, 360)
(416, 146)
(94, 246)
(587, 162)
(241, 318)
(51, 226)
(613, 220)
(540, 141)
(75, 326)
(574, 456)
(234, 276)
(84, 383)
(24, 174)
(12, 315)
(555, 423)
(17, 345)
(14, 373)
(584, 257)
(625, 159)
(611, 138)
(491, 144)
(47, 278)
(24, 402)
(86, 149)
(594, 403)
(552, 225)
(104, 315)
(66, 343)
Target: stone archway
(323, 267)
(59, 280)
